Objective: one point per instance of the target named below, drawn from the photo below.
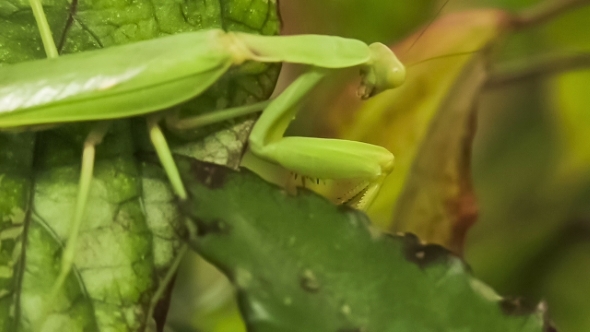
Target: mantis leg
(316, 157)
(165, 156)
(215, 116)
(380, 68)
(92, 140)
(366, 164)
(44, 29)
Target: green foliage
(302, 264)
(131, 234)
(299, 263)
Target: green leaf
(116, 269)
(303, 264)
(437, 202)
(16, 162)
(425, 123)
(132, 231)
(19, 41)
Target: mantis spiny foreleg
(307, 156)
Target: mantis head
(384, 71)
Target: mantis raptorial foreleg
(308, 156)
(316, 157)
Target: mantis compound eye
(383, 72)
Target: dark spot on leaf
(211, 175)
(518, 306)
(309, 282)
(548, 327)
(215, 227)
(346, 208)
(423, 254)
(148, 157)
(522, 307)
(266, 282)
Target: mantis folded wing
(143, 78)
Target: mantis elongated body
(141, 79)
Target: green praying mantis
(141, 79)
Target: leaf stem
(539, 68)
(543, 12)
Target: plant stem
(543, 12)
(539, 68)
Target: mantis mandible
(143, 78)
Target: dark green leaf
(303, 264)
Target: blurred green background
(531, 164)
